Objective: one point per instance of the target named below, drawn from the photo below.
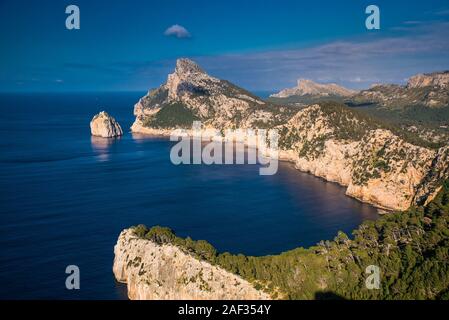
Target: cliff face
(431, 184)
(377, 166)
(427, 90)
(164, 272)
(105, 126)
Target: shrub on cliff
(174, 115)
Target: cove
(67, 196)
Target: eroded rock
(103, 125)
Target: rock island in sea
(105, 126)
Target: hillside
(420, 107)
(426, 90)
(379, 165)
(308, 92)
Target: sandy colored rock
(308, 87)
(103, 125)
(436, 79)
(164, 272)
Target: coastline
(284, 155)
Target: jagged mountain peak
(187, 66)
(190, 90)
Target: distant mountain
(424, 90)
(310, 88)
(436, 79)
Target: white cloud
(177, 31)
(356, 63)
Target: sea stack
(103, 125)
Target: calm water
(65, 197)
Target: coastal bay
(67, 196)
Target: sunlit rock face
(105, 126)
(374, 164)
(165, 272)
(436, 79)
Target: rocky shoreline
(329, 140)
(383, 193)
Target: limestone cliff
(376, 165)
(103, 125)
(191, 94)
(329, 140)
(165, 272)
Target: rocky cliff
(155, 271)
(329, 140)
(105, 126)
(191, 94)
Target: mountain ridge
(308, 87)
(429, 90)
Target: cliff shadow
(328, 295)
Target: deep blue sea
(65, 196)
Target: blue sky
(260, 45)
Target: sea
(65, 196)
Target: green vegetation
(155, 97)
(348, 124)
(431, 122)
(355, 123)
(411, 249)
(174, 115)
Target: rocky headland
(377, 165)
(163, 271)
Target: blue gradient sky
(261, 45)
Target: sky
(260, 45)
